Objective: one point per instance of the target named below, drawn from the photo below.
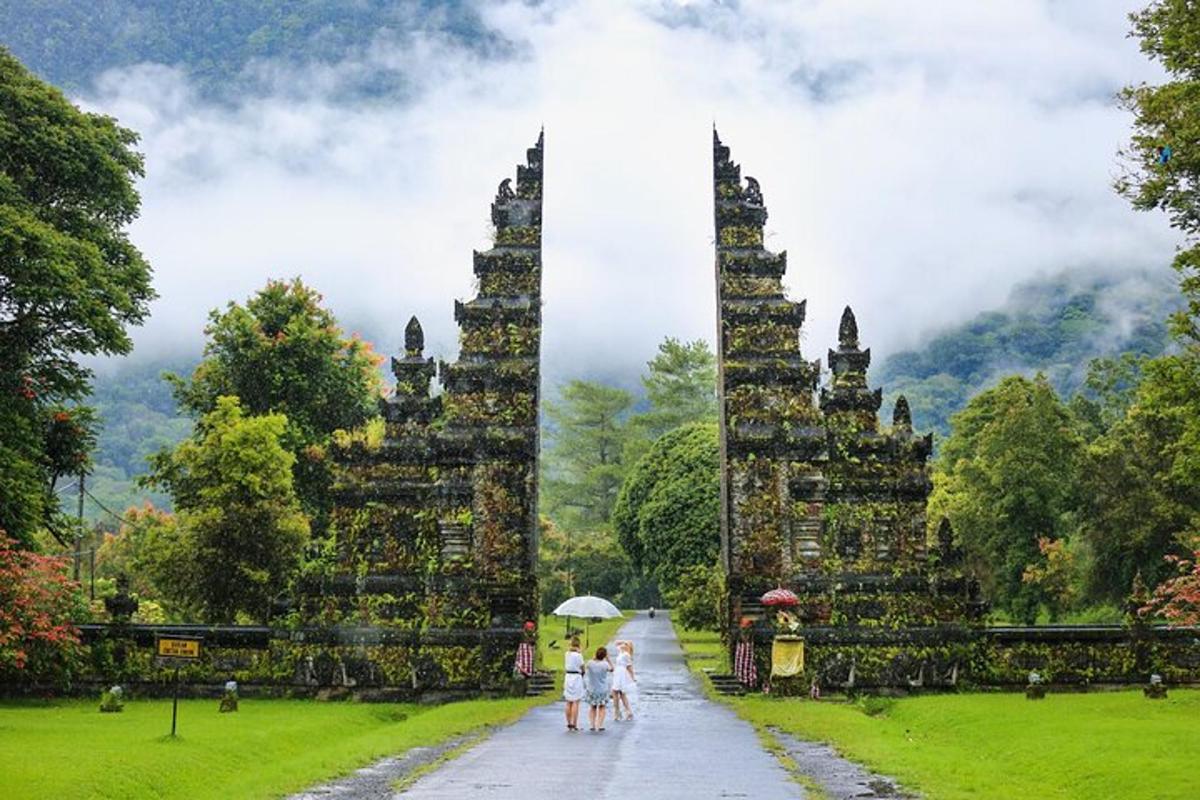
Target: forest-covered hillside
(1052, 325)
(214, 42)
(138, 417)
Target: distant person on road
(573, 683)
(651, 612)
(624, 681)
(596, 687)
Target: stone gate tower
(436, 526)
(816, 497)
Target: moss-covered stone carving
(436, 526)
(816, 496)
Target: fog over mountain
(918, 160)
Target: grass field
(997, 746)
(267, 749)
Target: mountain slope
(217, 42)
(1053, 325)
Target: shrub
(38, 642)
(695, 600)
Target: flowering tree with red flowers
(1178, 598)
(38, 642)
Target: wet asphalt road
(681, 745)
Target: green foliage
(584, 459)
(1005, 480)
(137, 416)
(681, 386)
(1056, 326)
(1168, 115)
(70, 282)
(695, 599)
(1140, 481)
(153, 552)
(591, 444)
(666, 517)
(572, 563)
(1108, 392)
(240, 526)
(283, 353)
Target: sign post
(177, 652)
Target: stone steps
(725, 684)
(540, 683)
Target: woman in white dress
(573, 683)
(623, 680)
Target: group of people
(596, 682)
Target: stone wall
(369, 663)
(956, 657)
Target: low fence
(947, 657)
(367, 663)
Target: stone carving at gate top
(436, 526)
(816, 497)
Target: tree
(1168, 116)
(1006, 477)
(282, 352)
(1140, 481)
(1108, 392)
(588, 561)
(71, 283)
(695, 600)
(584, 460)
(38, 641)
(681, 385)
(1055, 575)
(240, 525)
(1178, 597)
(151, 550)
(667, 514)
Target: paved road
(680, 746)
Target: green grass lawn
(267, 749)
(703, 650)
(987, 746)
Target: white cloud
(917, 160)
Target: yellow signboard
(179, 648)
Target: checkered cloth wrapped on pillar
(524, 662)
(743, 664)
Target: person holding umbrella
(573, 683)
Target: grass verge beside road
(267, 749)
(997, 746)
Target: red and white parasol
(780, 597)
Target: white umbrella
(588, 607)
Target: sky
(918, 160)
